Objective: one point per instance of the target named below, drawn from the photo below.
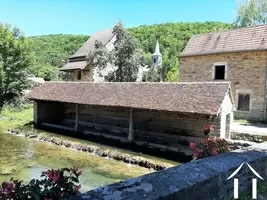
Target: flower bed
(210, 147)
(54, 185)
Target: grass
(11, 118)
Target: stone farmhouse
(79, 70)
(77, 66)
(164, 116)
(238, 56)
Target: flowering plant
(209, 147)
(55, 185)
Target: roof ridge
(231, 30)
(142, 83)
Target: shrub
(54, 185)
(209, 147)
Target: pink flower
(10, 186)
(192, 145)
(75, 169)
(77, 188)
(56, 176)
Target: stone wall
(86, 75)
(246, 71)
(197, 180)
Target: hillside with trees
(51, 51)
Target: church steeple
(157, 52)
(156, 57)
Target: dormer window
(219, 71)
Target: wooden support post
(131, 134)
(35, 114)
(76, 128)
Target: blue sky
(41, 17)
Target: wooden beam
(76, 128)
(35, 114)
(131, 134)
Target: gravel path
(255, 129)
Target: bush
(55, 185)
(209, 147)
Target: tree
(127, 56)
(14, 62)
(152, 75)
(251, 12)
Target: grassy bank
(13, 118)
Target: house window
(243, 102)
(219, 72)
(79, 75)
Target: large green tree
(127, 56)
(14, 63)
(251, 12)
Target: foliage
(54, 185)
(250, 13)
(50, 52)
(15, 117)
(14, 62)
(209, 147)
(99, 57)
(127, 56)
(151, 75)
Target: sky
(42, 17)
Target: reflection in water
(25, 159)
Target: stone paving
(254, 129)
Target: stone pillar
(131, 134)
(76, 128)
(35, 114)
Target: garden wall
(190, 181)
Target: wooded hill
(50, 51)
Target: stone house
(161, 115)
(79, 70)
(77, 66)
(238, 56)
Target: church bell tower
(156, 61)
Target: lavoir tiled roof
(201, 98)
(236, 40)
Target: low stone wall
(248, 137)
(197, 180)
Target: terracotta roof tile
(236, 40)
(202, 98)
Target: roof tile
(202, 98)
(236, 40)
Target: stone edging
(248, 137)
(92, 149)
